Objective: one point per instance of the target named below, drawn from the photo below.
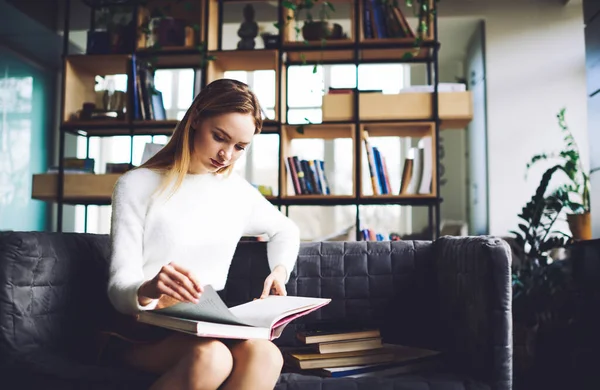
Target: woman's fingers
(163, 288)
(278, 288)
(178, 288)
(189, 275)
(267, 287)
(181, 279)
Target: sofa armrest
(475, 298)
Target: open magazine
(210, 317)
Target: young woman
(176, 222)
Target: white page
(265, 312)
(210, 308)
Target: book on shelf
(417, 173)
(385, 21)
(307, 176)
(258, 319)
(147, 100)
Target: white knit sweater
(198, 228)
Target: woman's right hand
(173, 281)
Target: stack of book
(355, 354)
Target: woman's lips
(216, 164)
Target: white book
(426, 165)
(415, 179)
(210, 317)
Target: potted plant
(539, 283)
(575, 193)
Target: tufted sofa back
(52, 289)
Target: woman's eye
(218, 138)
(239, 147)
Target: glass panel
(270, 113)
(317, 223)
(185, 88)
(239, 75)
(305, 88)
(386, 220)
(386, 77)
(26, 99)
(163, 81)
(264, 87)
(308, 115)
(343, 76)
(264, 152)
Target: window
(177, 87)
(260, 163)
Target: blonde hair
(219, 97)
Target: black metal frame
(129, 128)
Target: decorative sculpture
(248, 29)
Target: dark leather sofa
(452, 294)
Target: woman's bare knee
(263, 350)
(209, 362)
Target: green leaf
(315, 69)
(277, 25)
(289, 5)
(300, 129)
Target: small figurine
(248, 29)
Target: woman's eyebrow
(229, 137)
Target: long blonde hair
(219, 97)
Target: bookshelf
(414, 115)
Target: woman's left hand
(275, 282)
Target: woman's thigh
(158, 357)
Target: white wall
(535, 65)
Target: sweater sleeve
(129, 204)
(284, 236)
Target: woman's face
(220, 140)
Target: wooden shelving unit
(347, 116)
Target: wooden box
(338, 107)
(453, 106)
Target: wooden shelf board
(455, 123)
(393, 54)
(399, 129)
(96, 128)
(247, 60)
(99, 64)
(165, 127)
(78, 188)
(323, 131)
(270, 127)
(299, 57)
(405, 199)
(317, 200)
(173, 57)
